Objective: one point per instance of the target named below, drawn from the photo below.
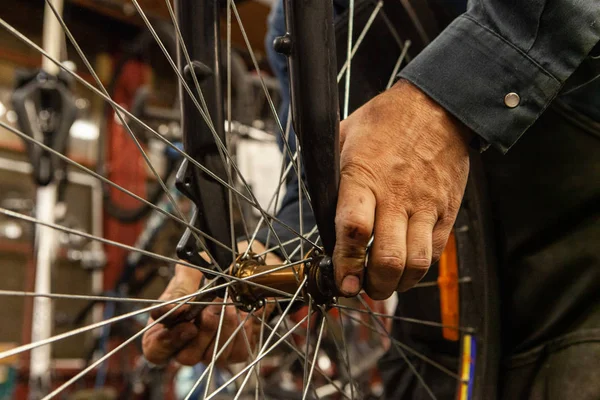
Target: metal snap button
(511, 100)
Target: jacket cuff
(485, 81)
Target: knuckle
(421, 260)
(426, 216)
(388, 266)
(354, 226)
(178, 292)
(356, 167)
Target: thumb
(354, 222)
(185, 282)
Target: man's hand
(191, 342)
(404, 168)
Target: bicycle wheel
(316, 345)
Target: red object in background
(126, 167)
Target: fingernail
(350, 285)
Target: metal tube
(52, 36)
(41, 327)
(198, 23)
(315, 109)
(45, 237)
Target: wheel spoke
(262, 353)
(415, 20)
(109, 182)
(112, 352)
(360, 39)
(124, 123)
(407, 348)
(465, 279)
(260, 344)
(398, 64)
(314, 360)
(101, 299)
(307, 339)
(255, 370)
(268, 96)
(282, 174)
(401, 352)
(247, 280)
(303, 357)
(252, 201)
(216, 354)
(229, 124)
(406, 319)
(343, 349)
(348, 58)
(96, 325)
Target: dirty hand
(191, 342)
(404, 167)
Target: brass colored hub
(275, 279)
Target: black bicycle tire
(475, 246)
(477, 259)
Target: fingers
(354, 225)
(419, 240)
(247, 337)
(160, 343)
(190, 342)
(198, 349)
(230, 323)
(185, 281)
(387, 257)
(239, 351)
(236, 350)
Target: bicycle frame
(198, 22)
(315, 108)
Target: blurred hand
(404, 167)
(191, 342)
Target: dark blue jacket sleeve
(500, 64)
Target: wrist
(429, 105)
